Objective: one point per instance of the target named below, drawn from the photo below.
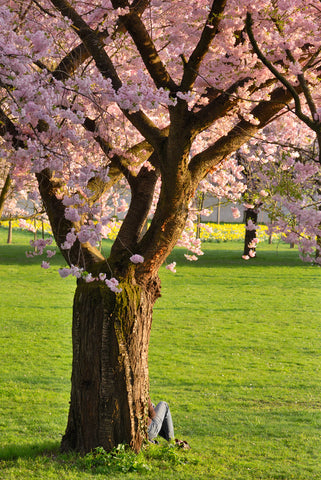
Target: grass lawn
(235, 350)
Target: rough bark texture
(110, 381)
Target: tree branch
(277, 74)
(210, 30)
(80, 54)
(265, 112)
(217, 107)
(146, 47)
(5, 191)
(131, 230)
(7, 126)
(94, 45)
(80, 254)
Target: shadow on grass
(13, 452)
(16, 254)
(219, 257)
(215, 254)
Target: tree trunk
(9, 238)
(250, 235)
(110, 383)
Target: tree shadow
(12, 452)
(221, 258)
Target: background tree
(153, 91)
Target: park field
(235, 350)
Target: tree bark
(250, 235)
(110, 383)
(9, 238)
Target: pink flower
(89, 278)
(45, 265)
(136, 258)
(51, 253)
(250, 225)
(254, 243)
(72, 214)
(235, 212)
(112, 284)
(171, 267)
(191, 258)
(64, 272)
(263, 193)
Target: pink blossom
(45, 265)
(112, 284)
(250, 225)
(171, 267)
(72, 214)
(136, 258)
(51, 253)
(235, 211)
(253, 243)
(263, 193)
(89, 278)
(191, 258)
(76, 271)
(64, 272)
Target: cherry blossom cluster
(59, 118)
(112, 283)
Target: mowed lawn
(235, 350)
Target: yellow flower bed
(213, 232)
(209, 232)
(114, 231)
(33, 224)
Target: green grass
(235, 350)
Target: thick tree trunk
(110, 383)
(250, 235)
(9, 237)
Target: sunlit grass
(235, 350)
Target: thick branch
(95, 46)
(81, 254)
(142, 191)
(5, 191)
(217, 107)
(80, 54)
(7, 126)
(146, 48)
(277, 74)
(265, 111)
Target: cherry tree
(159, 93)
(280, 165)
